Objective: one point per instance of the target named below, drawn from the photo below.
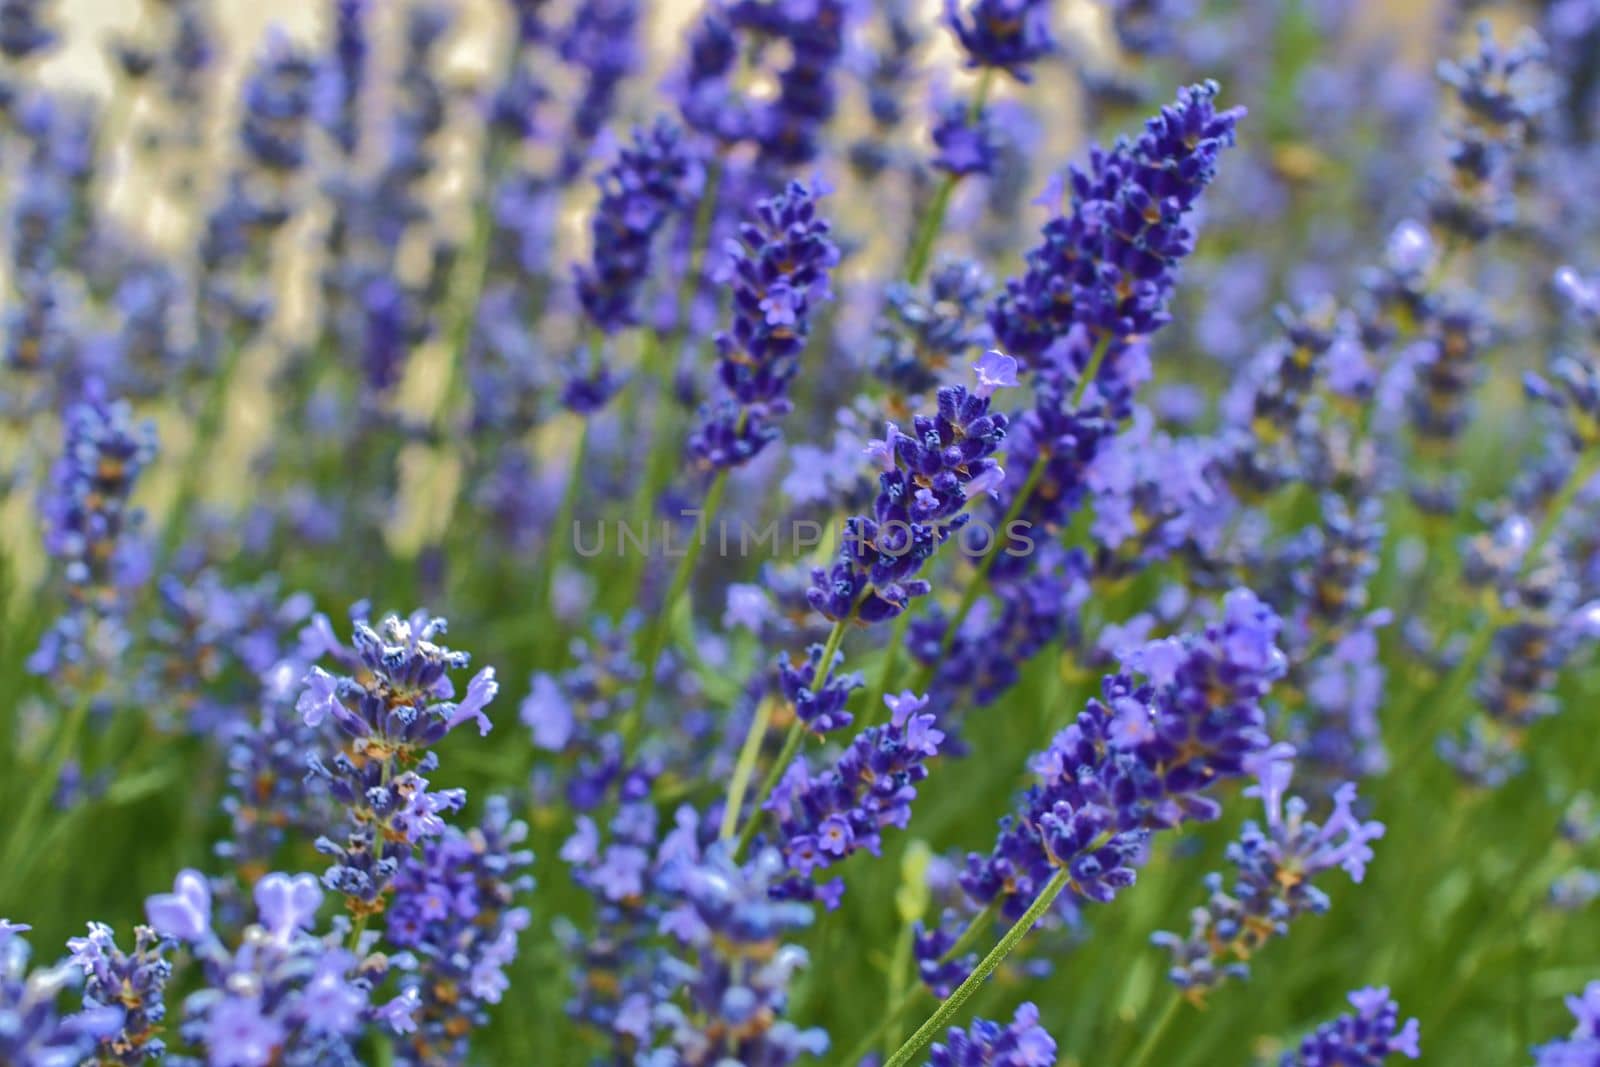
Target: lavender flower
(823, 711)
(639, 193)
(1139, 761)
(602, 42)
(779, 273)
(1277, 864)
(92, 532)
(824, 818)
(926, 481)
(1008, 35)
(395, 704)
(1503, 94)
(1365, 1039)
(1024, 1043)
(283, 995)
(728, 989)
(920, 338)
(32, 1031)
(453, 908)
(1109, 263)
(131, 984)
(1582, 1047)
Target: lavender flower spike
(1365, 1039)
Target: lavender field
(974, 533)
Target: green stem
(555, 548)
(1091, 372)
(899, 994)
(974, 930)
(655, 637)
(940, 1019)
(933, 221)
(975, 587)
(891, 658)
(208, 428)
(744, 770)
(791, 743)
(1153, 1036)
(38, 792)
(658, 355)
(1442, 698)
(786, 755)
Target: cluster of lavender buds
(639, 193)
(1366, 1039)
(396, 702)
(1106, 264)
(1583, 1045)
(1277, 863)
(93, 532)
(32, 1029)
(1142, 759)
(455, 910)
(1024, 1043)
(926, 480)
(824, 818)
(282, 994)
(779, 274)
(133, 984)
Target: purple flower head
(640, 192)
(824, 711)
(454, 909)
(239, 1033)
(967, 142)
(128, 989)
(1141, 760)
(287, 904)
(994, 370)
(394, 704)
(1024, 1043)
(1277, 864)
(779, 273)
(1008, 35)
(184, 913)
(1108, 264)
(1366, 1039)
(825, 817)
(1582, 1047)
(922, 501)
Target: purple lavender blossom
(927, 480)
(779, 274)
(1582, 1047)
(284, 996)
(132, 985)
(454, 910)
(1024, 1043)
(1277, 863)
(1140, 760)
(32, 1030)
(640, 192)
(1108, 264)
(1365, 1039)
(1008, 35)
(826, 817)
(396, 702)
(92, 531)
